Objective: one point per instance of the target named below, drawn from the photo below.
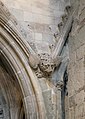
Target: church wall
(38, 20)
(38, 23)
(75, 108)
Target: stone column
(57, 104)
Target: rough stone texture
(48, 103)
(38, 19)
(76, 68)
(12, 91)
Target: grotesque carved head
(46, 64)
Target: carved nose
(50, 69)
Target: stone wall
(38, 23)
(75, 108)
(38, 20)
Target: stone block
(79, 97)
(80, 36)
(79, 73)
(82, 14)
(39, 27)
(84, 109)
(42, 47)
(72, 57)
(43, 84)
(70, 86)
(76, 112)
(71, 113)
(71, 101)
(71, 44)
(28, 16)
(80, 52)
(38, 36)
(79, 110)
(48, 38)
(48, 103)
(76, 77)
(42, 11)
(28, 26)
(46, 19)
(9, 3)
(17, 13)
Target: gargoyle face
(46, 63)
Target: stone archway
(11, 104)
(14, 53)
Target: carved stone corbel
(47, 64)
(44, 65)
(34, 60)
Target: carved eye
(52, 66)
(48, 65)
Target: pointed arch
(14, 52)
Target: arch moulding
(14, 51)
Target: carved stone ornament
(46, 64)
(43, 65)
(34, 61)
(60, 84)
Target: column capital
(60, 85)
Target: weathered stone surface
(37, 17)
(39, 20)
(43, 84)
(76, 73)
(79, 97)
(48, 103)
(71, 113)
